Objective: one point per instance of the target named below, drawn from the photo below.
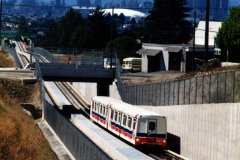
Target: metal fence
(221, 87)
(91, 57)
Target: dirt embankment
(6, 60)
(20, 137)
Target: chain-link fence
(72, 56)
(221, 87)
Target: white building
(200, 33)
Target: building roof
(200, 32)
(149, 52)
(126, 12)
(153, 49)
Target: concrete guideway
(114, 147)
(54, 142)
(26, 75)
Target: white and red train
(133, 124)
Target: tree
(167, 22)
(51, 38)
(100, 26)
(22, 27)
(67, 26)
(124, 46)
(228, 37)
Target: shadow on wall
(174, 143)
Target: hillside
(20, 137)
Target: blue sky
(234, 2)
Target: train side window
(134, 123)
(103, 110)
(92, 106)
(119, 117)
(124, 120)
(112, 113)
(116, 116)
(97, 107)
(129, 122)
(100, 109)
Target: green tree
(124, 46)
(68, 24)
(50, 40)
(22, 27)
(228, 37)
(100, 26)
(167, 22)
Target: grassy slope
(5, 60)
(20, 137)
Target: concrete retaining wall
(204, 131)
(87, 90)
(79, 145)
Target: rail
(79, 102)
(175, 156)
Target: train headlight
(164, 141)
(137, 140)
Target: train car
(132, 64)
(133, 124)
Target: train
(133, 124)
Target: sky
(74, 2)
(234, 2)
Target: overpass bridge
(78, 73)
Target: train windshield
(152, 125)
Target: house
(157, 57)
(180, 57)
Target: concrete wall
(114, 91)
(79, 145)
(87, 90)
(204, 131)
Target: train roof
(121, 106)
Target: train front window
(152, 123)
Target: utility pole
(194, 36)
(1, 21)
(206, 29)
(111, 57)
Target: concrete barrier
(204, 131)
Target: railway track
(74, 98)
(79, 103)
